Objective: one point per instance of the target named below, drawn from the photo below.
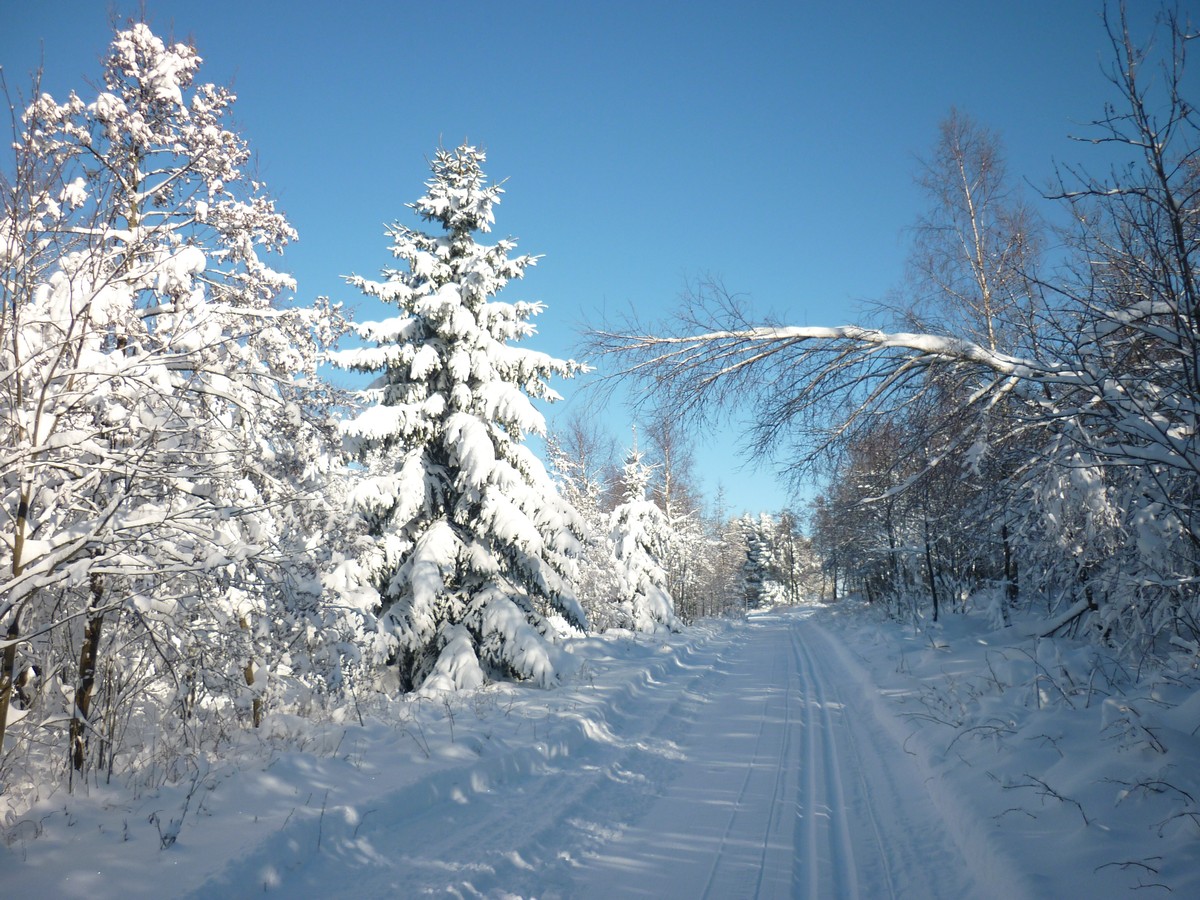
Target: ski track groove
(872, 816)
(914, 852)
(826, 793)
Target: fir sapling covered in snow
(642, 537)
(471, 547)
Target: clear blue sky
(644, 143)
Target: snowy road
(763, 765)
(789, 788)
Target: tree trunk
(89, 653)
(893, 560)
(256, 705)
(7, 674)
(1010, 575)
(933, 591)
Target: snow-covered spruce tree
(642, 536)
(157, 414)
(759, 587)
(776, 564)
(471, 547)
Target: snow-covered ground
(810, 752)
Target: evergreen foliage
(472, 547)
(642, 537)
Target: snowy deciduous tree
(974, 249)
(689, 555)
(798, 563)
(1112, 387)
(720, 593)
(600, 582)
(471, 545)
(974, 273)
(161, 456)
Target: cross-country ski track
(761, 763)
